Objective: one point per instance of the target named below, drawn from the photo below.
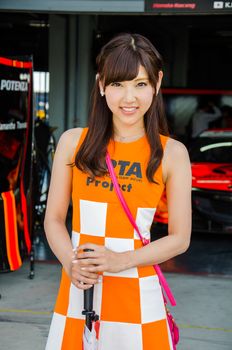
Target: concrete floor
(203, 309)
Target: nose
(129, 95)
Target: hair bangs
(122, 65)
(151, 70)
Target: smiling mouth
(129, 109)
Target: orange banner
(11, 231)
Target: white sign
(218, 5)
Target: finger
(80, 264)
(88, 274)
(96, 269)
(82, 270)
(87, 280)
(84, 274)
(79, 269)
(90, 261)
(87, 246)
(82, 286)
(84, 255)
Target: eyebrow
(141, 79)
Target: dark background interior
(209, 41)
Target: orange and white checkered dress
(129, 303)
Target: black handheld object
(90, 315)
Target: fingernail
(82, 268)
(75, 261)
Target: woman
(127, 119)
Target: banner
(188, 6)
(16, 125)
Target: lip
(129, 110)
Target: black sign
(15, 160)
(188, 6)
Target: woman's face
(130, 100)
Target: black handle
(88, 303)
(88, 293)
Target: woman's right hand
(80, 278)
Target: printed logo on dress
(126, 170)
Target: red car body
(212, 176)
(211, 183)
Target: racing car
(211, 161)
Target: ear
(160, 74)
(101, 87)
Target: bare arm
(178, 179)
(59, 199)
(177, 170)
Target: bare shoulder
(68, 142)
(174, 148)
(175, 156)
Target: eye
(141, 84)
(115, 83)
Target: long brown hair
(119, 60)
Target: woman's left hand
(103, 259)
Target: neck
(126, 136)
(127, 133)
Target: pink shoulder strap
(160, 275)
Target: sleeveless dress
(129, 303)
